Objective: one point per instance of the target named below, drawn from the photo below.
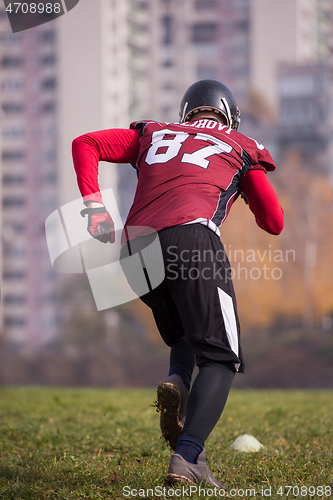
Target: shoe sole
(168, 403)
(175, 478)
(181, 471)
(172, 479)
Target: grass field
(94, 443)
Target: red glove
(100, 224)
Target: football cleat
(172, 396)
(181, 471)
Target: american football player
(189, 175)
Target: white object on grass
(246, 443)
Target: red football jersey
(191, 171)
(187, 172)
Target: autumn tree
(289, 275)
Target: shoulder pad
(139, 126)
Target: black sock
(189, 447)
(183, 372)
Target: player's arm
(263, 201)
(116, 146)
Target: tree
(290, 275)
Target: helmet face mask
(210, 95)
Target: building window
(298, 86)
(204, 32)
(51, 178)
(8, 180)
(13, 275)
(167, 26)
(52, 276)
(11, 85)
(12, 202)
(49, 107)
(49, 84)
(205, 5)
(51, 155)
(243, 26)
(167, 63)
(48, 36)
(10, 38)
(242, 4)
(19, 228)
(11, 62)
(14, 321)
(299, 113)
(48, 60)
(13, 133)
(14, 299)
(12, 155)
(12, 108)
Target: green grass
(90, 443)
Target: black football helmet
(210, 95)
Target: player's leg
(166, 315)
(170, 327)
(205, 405)
(172, 393)
(206, 303)
(210, 389)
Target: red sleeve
(114, 145)
(263, 201)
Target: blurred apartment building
(292, 63)
(57, 81)
(28, 86)
(306, 118)
(107, 63)
(305, 95)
